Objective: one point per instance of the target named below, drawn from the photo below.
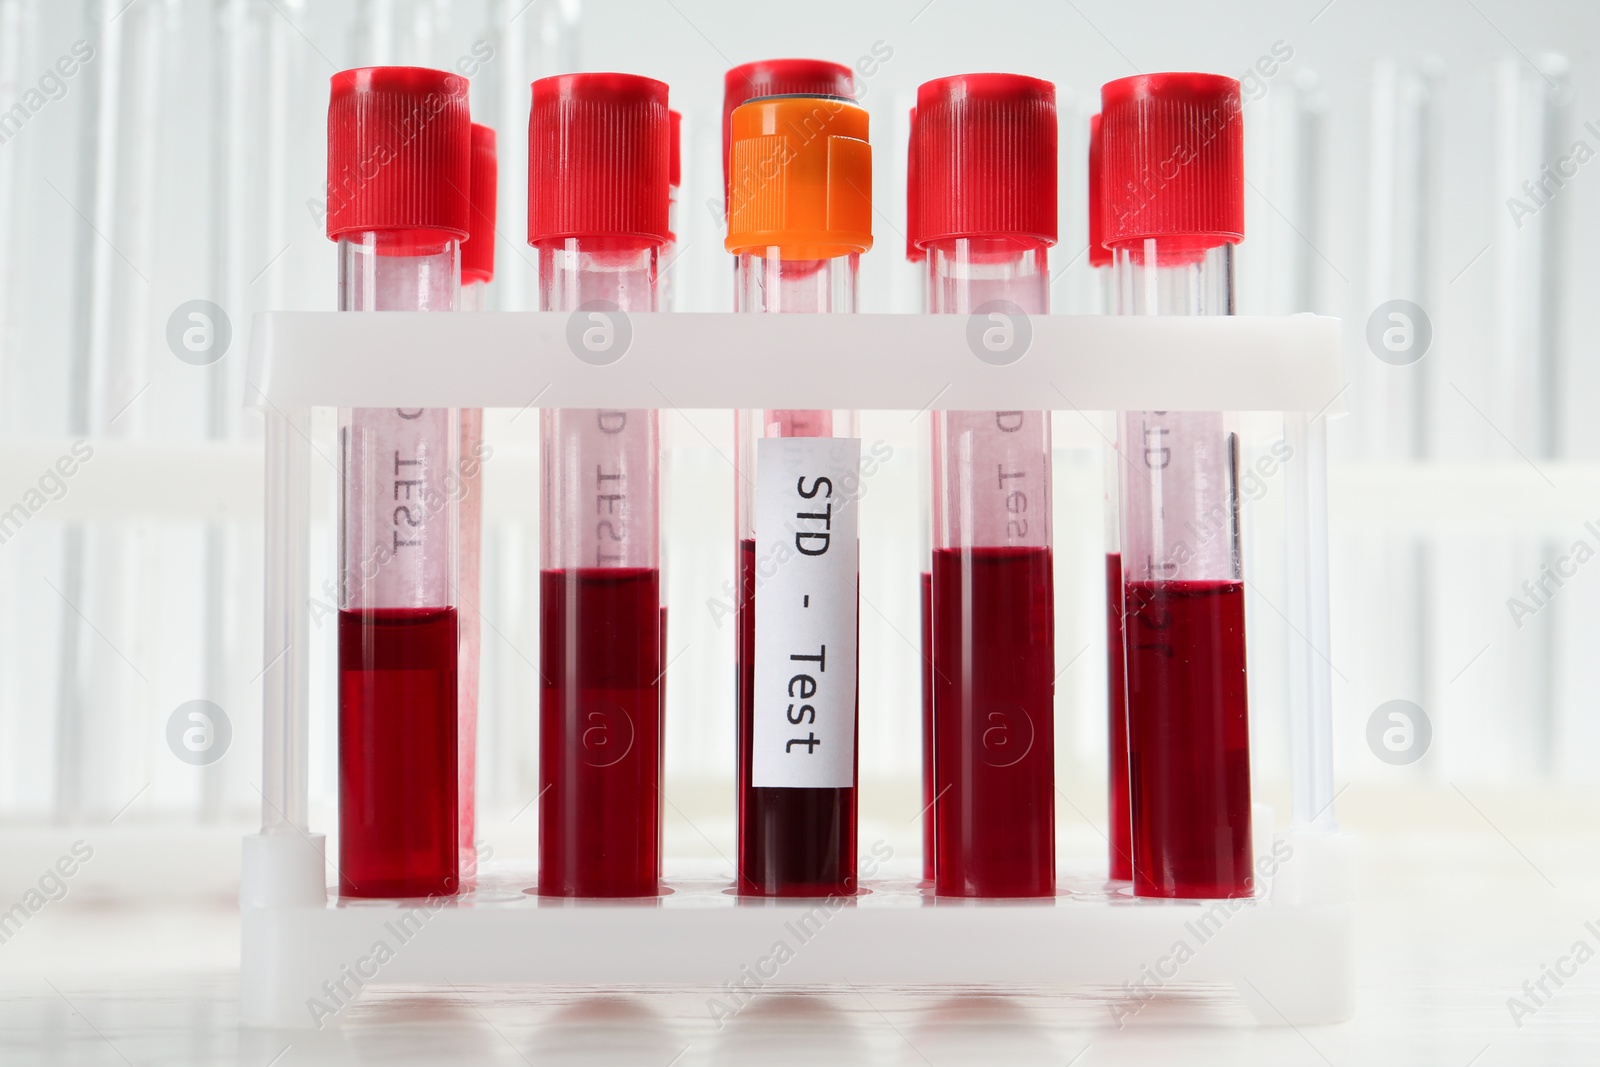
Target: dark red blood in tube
(1121, 832)
(994, 736)
(795, 842)
(930, 842)
(661, 771)
(1188, 738)
(600, 761)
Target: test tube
(399, 228)
(477, 271)
(1173, 181)
(915, 256)
(799, 216)
(669, 256)
(597, 218)
(987, 167)
(1120, 833)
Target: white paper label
(806, 572)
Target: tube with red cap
(477, 271)
(987, 170)
(477, 251)
(1099, 254)
(915, 255)
(399, 226)
(669, 253)
(597, 218)
(914, 252)
(799, 215)
(1119, 837)
(1173, 183)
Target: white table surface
(1452, 922)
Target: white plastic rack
(307, 955)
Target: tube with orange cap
(799, 216)
(986, 147)
(1172, 158)
(477, 271)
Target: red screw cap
(780, 77)
(986, 147)
(1099, 254)
(398, 151)
(598, 148)
(1172, 158)
(477, 251)
(914, 252)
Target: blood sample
(399, 229)
(799, 215)
(1118, 813)
(477, 271)
(1192, 787)
(1171, 230)
(599, 735)
(669, 255)
(661, 735)
(930, 831)
(987, 168)
(597, 218)
(1120, 835)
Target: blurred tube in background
(1393, 395)
(1283, 512)
(514, 43)
(1519, 717)
(103, 757)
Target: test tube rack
(306, 954)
